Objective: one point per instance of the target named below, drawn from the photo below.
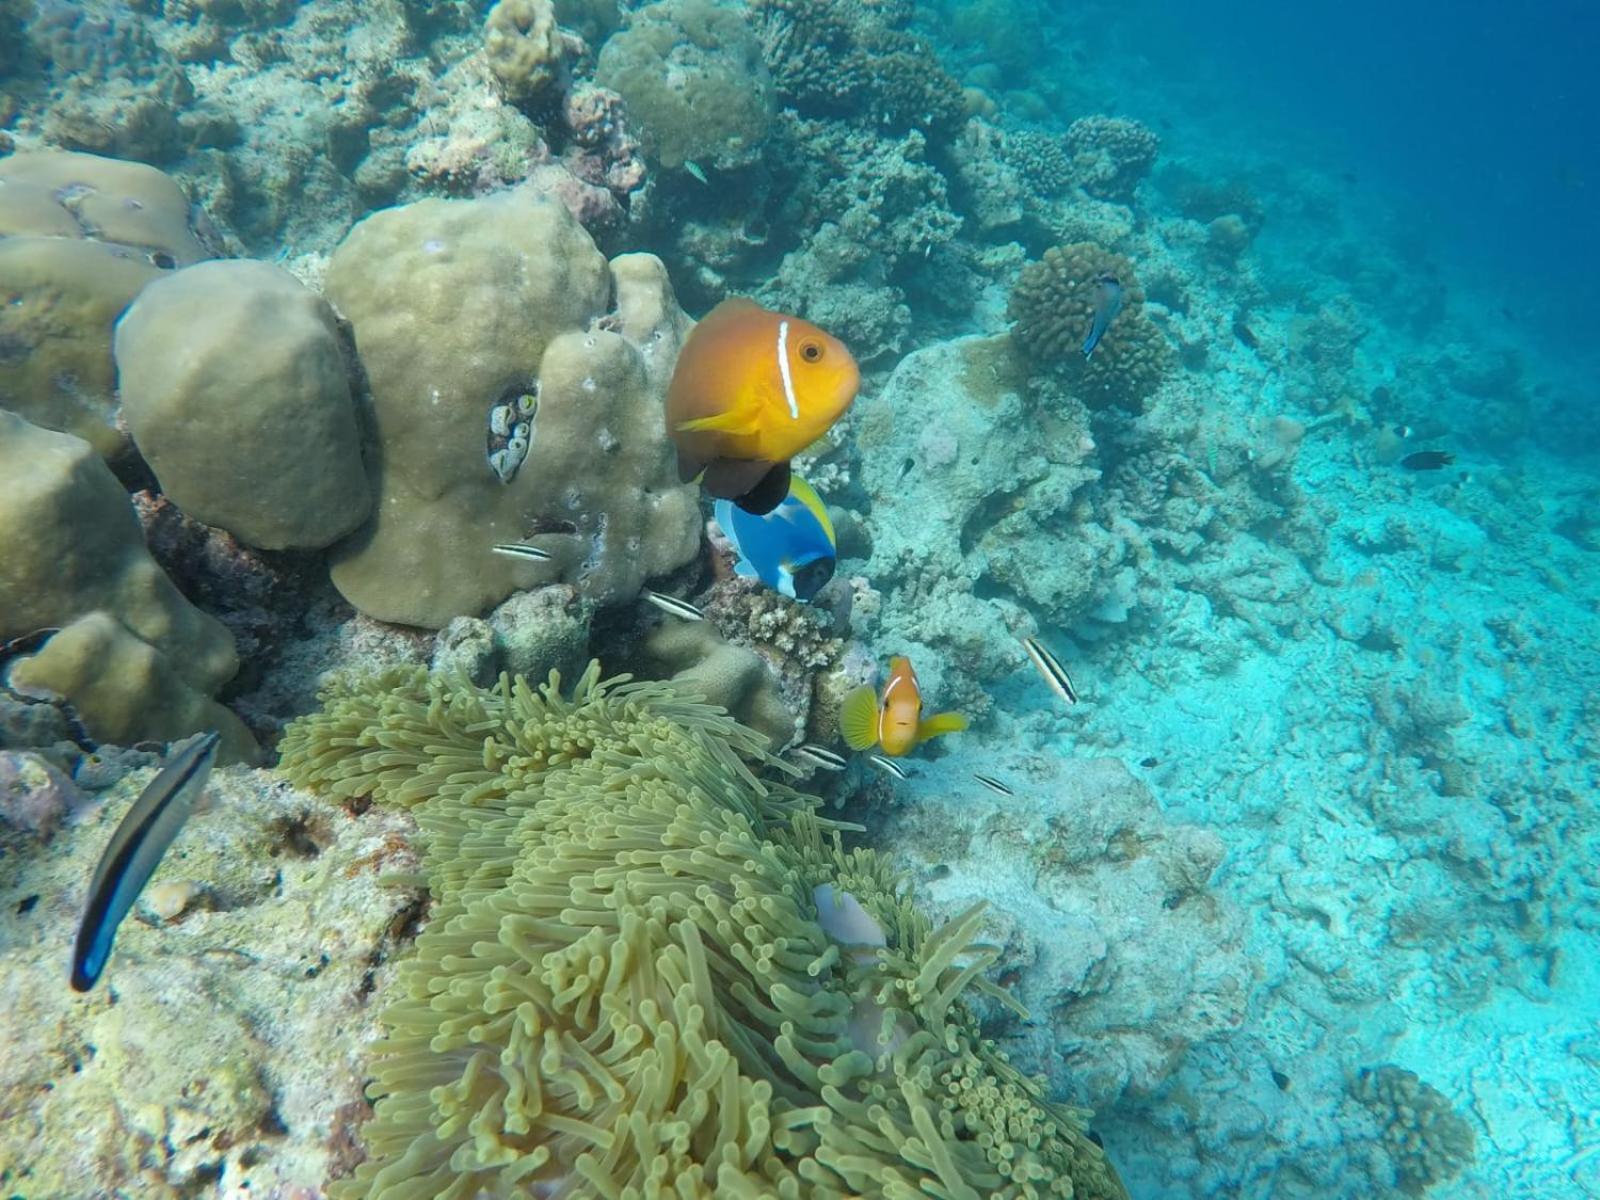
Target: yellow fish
(894, 724)
(752, 389)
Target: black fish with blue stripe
(135, 851)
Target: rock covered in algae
(222, 1053)
(625, 988)
(504, 412)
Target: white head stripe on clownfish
(783, 370)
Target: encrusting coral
(628, 985)
(1052, 307)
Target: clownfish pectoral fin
(940, 723)
(858, 719)
(732, 420)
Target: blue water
(1476, 119)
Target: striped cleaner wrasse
(135, 851)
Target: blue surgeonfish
(791, 549)
(1107, 304)
(135, 850)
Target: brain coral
(626, 988)
(694, 81)
(1052, 307)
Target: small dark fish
(888, 766)
(1282, 1080)
(821, 756)
(993, 784)
(1148, 763)
(1107, 304)
(1246, 335)
(26, 643)
(522, 550)
(135, 851)
(1427, 460)
(1402, 431)
(1054, 673)
(678, 608)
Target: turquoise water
(1301, 893)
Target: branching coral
(625, 988)
(1110, 155)
(1052, 307)
(834, 56)
(1427, 1139)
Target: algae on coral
(625, 989)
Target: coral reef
(234, 386)
(698, 660)
(626, 978)
(1052, 307)
(1110, 931)
(79, 237)
(525, 47)
(694, 83)
(223, 1050)
(839, 57)
(1110, 155)
(595, 484)
(117, 92)
(134, 658)
(1424, 1135)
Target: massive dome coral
(650, 972)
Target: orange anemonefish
(895, 724)
(752, 389)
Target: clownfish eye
(811, 350)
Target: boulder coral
(465, 311)
(650, 972)
(79, 237)
(1052, 307)
(131, 655)
(235, 387)
(526, 49)
(694, 82)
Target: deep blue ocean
(1474, 122)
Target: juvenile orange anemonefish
(895, 724)
(752, 389)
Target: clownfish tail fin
(858, 719)
(940, 723)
